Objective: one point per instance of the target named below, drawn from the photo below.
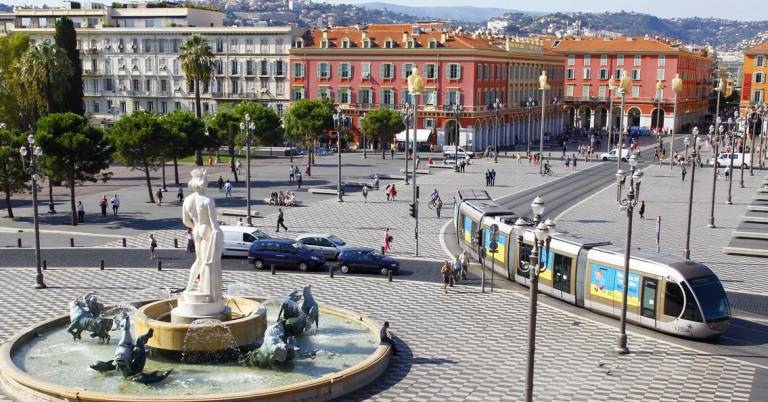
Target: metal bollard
(175, 243)
(159, 265)
(272, 268)
(19, 242)
(382, 250)
(330, 270)
(45, 265)
(124, 245)
(71, 242)
(101, 265)
(389, 275)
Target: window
(135, 85)
(410, 44)
(638, 60)
(620, 60)
(601, 91)
(432, 44)
(108, 84)
(324, 71)
(366, 43)
(757, 97)
(324, 44)
(147, 45)
(389, 44)
(617, 74)
(429, 97)
(148, 65)
(452, 97)
(175, 43)
(150, 106)
(603, 59)
(235, 87)
(635, 91)
(388, 71)
(345, 71)
(635, 74)
(233, 67)
(123, 107)
(345, 95)
(673, 300)
(571, 59)
(218, 66)
(430, 71)
(569, 90)
(407, 70)
(603, 74)
(299, 43)
(759, 61)
(585, 91)
(570, 74)
(587, 73)
(587, 59)
(96, 106)
(219, 46)
(264, 85)
(279, 68)
(148, 85)
(387, 97)
(297, 93)
(163, 107)
(365, 70)
(298, 70)
(164, 85)
(263, 46)
(662, 60)
(249, 67)
(365, 96)
(759, 78)
(324, 93)
(660, 73)
(454, 71)
(249, 45)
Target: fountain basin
(246, 321)
(23, 380)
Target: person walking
(574, 162)
(115, 204)
(387, 241)
(228, 188)
(159, 195)
(365, 193)
(456, 269)
(464, 256)
(386, 190)
(152, 247)
(220, 183)
(190, 241)
(642, 210)
(445, 271)
(683, 172)
(438, 206)
(281, 220)
(493, 177)
(291, 174)
(237, 166)
(392, 192)
(80, 212)
(210, 160)
(487, 178)
(180, 194)
(103, 205)
(298, 180)
(392, 153)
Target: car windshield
(714, 302)
(259, 234)
(336, 241)
(377, 255)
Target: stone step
(358, 184)
(420, 171)
(759, 208)
(387, 176)
(750, 234)
(760, 197)
(753, 252)
(237, 212)
(320, 190)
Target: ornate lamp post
(715, 138)
(248, 126)
(686, 142)
(659, 96)
(543, 87)
(340, 121)
(365, 150)
(624, 87)
(755, 118)
(497, 106)
(628, 205)
(456, 109)
(730, 158)
(543, 234)
(611, 94)
(529, 107)
(407, 112)
(696, 154)
(31, 154)
(677, 86)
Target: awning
(422, 135)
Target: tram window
(525, 257)
(673, 300)
(561, 269)
(691, 312)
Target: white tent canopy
(422, 135)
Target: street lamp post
(543, 86)
(715, 137)
(696, 154)
(628, 205)
(611, 94)
(543, 233)
(362, 134)
(340, 120)
(624, 87)
(659, 96)
(686, 142)
(529, 107)
(406, 112)
(497, 105)
(677, 86)
(248, 126)
(730, 162)
(32, 153)
(755, 118)
(457, 108)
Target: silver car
(329, 245)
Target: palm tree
(198, 65)
(47, 68)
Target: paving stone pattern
(459, 346)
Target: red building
(366, 67)
(590, 62)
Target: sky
(742, 9)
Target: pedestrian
(464, 265)
(228, 188)
(80, 212)
(456, 269)
(240, 222)
(386, 190)
(298, 180)
(281, 220)
(190, 241)
(152, 247)
(385, 338)
(683, 172)
(376, 181)
(103, 205)
(567, 162)
(159, 195)
(220, 183)
(574, 162)
(487, 178)
(308, 170)
(237, 166)
(392, 192)
(291, 174)
(365, 193)
(180, 194)
(392, 153)
(642, 210)
(115, 204)
(387, 241)
(493, 177)
(210, 160)
(438, 206)
(445, 271)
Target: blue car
(366, 260)
(284, 253)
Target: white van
(611, 156)
(449, 151)
(723, 159)
(238, 239)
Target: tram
(666, 293)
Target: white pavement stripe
(7, 229)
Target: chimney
(325, 34)
(405, 36)
(443, 37)
(364, 36)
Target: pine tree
(66, 38)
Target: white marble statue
(199, 214)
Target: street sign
(493, 246)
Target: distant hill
(458, 13)
(4, 8)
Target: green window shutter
(458, 71)
(382, 71)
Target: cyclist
(547, 170)
(434, 196)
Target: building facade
(590, 62)
(755, 68)
(365, 68)
(131, 59)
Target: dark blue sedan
(284, 253)
(366, 260)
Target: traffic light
(414, 209)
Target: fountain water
(204, 332)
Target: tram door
(648, 305)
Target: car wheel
(258, 264)
(604, 159)
(303, 267)
(623, 159)
(344, 268)
(384, 271)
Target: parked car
(284, 253)
(367, 260)
(328, 245)
(238, 239)
(611, 156)
(723, 159)
(449, 151)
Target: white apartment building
(131, 62)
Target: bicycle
(432, 203)
(547, 172)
